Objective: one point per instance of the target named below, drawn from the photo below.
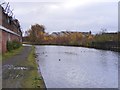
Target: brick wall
(4, 41)
(7, 37)
(0, 15)
(0, 41)
(11, 24)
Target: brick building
(9, 30)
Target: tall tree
(36, 33)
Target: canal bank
(22, 70)
(99, 47)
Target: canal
(77, 67)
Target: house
(9, 30)
(62, 33)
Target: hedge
(12, 45)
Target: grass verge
(32, 78)
(11, 53)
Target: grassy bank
(32, 78)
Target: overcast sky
(67, 15)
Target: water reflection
(76, 67)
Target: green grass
(11, 53)
(32, 77)
(0, 56)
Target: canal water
(77, 67)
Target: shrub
(11, 45)
(16, 44)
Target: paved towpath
(19, 57)
(12, 72)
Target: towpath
(13, 70)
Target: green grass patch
(32, 78)
(0, 56)
(11, 53)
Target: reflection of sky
(78, 67)
(76, 15)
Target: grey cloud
(91, 17)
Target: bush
(11, 45)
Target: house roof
(8, 30)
